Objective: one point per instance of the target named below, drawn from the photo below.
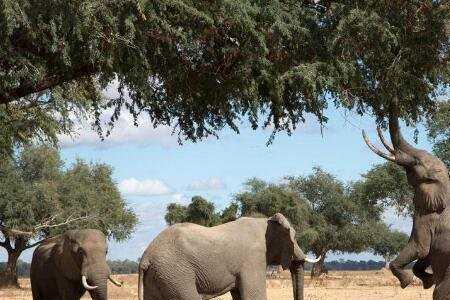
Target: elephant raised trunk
(401, 152)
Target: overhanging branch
(51, 80)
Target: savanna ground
(348, 285)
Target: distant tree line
(117, 267)
(131, 267)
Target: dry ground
(370, 285)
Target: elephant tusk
(119, 284)
(312, 260)
(86, 285)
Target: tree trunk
(319, 267)
(8, 276)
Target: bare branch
(8, 232)
(69, 220)
(15, 232)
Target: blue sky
(152, 170)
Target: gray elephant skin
(67, 265)
(191, 262)
(429, 242)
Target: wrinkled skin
(191, 262)
(429, 242)
(59, 263)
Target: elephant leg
(252, 285)
(406, 256)
(235, 294)
(442, 290)
(419, 270)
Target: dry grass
(337, 285)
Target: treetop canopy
(201, 65)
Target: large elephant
(67, 265)
(429, 242)
(191, 262)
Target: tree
(438, 128)
(200, 211)
(176, 213)
(40, 198)
(386, 185)
(199, 67)
(262, 199)
(339, 221)
(389, 243)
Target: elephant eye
(80, 251)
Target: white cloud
(213, 183)
(124, 131)
(148, 187)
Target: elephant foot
(405, 280)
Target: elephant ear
(287, 239)
(63, 258)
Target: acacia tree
(39, 198)
(389, 243)
(200, 66)
(339, 221)
(199, 211)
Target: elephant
(429, 242)
(190, 262)
(65, 266)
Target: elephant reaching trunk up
(429, 242)
(65, 266)
(191, 262)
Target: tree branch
(69, 220)
(51, 80)
(35, 244)
(8, 232)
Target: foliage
(389, 243)
(38, 120)
(38, 192)
(199, 66)
(176, 213)
(199, 211)
(260, 198)
(123, 266)
(386, 185)
(326, 213)
(338, 222)
(202, 212)
(40, 198)
(439, 132)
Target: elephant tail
(142, 269)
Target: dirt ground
(367, 285)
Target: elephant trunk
(297, 275)
(98, 275)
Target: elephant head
(426, 173)
(80, 255)
(282, 249)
